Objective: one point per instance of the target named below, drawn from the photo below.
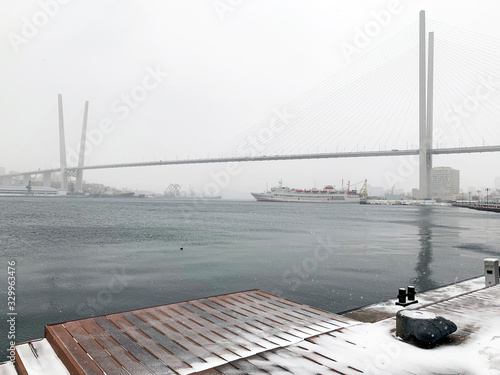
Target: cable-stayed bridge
(404, 97)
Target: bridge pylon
(81, 156)
(430, 109)
(425, 109)
(62, 147)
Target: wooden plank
(248, 324)
(127, 360)
(274, 333)
(266, 365)
(276, 319)
(107, 363)
(154, 364)
(246, 367)
(195, 333)
(301, 308)
(297, 308)
(248, 337)
(70, 352)
(196, 344)
(306, 325)
(208, 372)
(159, 338)
(285, 313)
(285, 328)
(229, 369)
(219, 333)
(248, 316)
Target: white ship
(24, 191)
(328, 194)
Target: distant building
(2, 170)
(497, 183)
(415, 193)
(445, 183)
(377, 191)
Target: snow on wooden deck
(254, 332)
(38, 358)
(387, 309)
(7, 368)
(373, 348)
(188, 337)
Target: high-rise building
(2, 170)
(445, 183)
(497, 183)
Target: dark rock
(422, 327)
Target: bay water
(80, 257)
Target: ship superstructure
(328, 194)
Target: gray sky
(178, 79)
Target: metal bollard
(402, 294)
(411, 293)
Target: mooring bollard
(411, 293)
(402, 294)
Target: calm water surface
(81, 257)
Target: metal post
(411, 293)
(402, 295)
(430, 108)
(62, 147)
(81, 157)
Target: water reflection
(423, 279)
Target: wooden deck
(254, 332)
(187, 337)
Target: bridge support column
(47, 179)
(81, 157)
(62, 147)
(422, 113)
(430, 109)
(26, 179)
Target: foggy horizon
(174, 81)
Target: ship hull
(22, 191)
(306, 198)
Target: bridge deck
(335, 155)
